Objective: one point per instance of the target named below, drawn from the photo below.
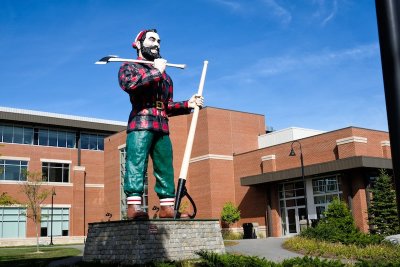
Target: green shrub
(220, 260)
(382, 253)
(338, 226)
(230, 235)
(230, 260)
(377, 263)
(308, 261)
(230, 213)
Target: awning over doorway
(326, 167)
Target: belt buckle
(159, 105)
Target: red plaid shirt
(145, 86)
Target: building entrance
(293, 217)
(292, 206)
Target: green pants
(139, 146)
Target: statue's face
(151, 46)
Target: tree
(383, 209)
(337, 225)
(338, 216)
(7, 200)
(230, 213)
(35, 194)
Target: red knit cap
(140, 34)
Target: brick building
(69, 151)
(233, 159)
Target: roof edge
(330, 166)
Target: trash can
(247, 231)
(314, 222)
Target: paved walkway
(70, 261)
(269, 248)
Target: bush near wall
(338, 226)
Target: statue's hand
(196, 100)
(160, 64)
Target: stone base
(139, 242)
(394, 239)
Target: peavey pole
(111, 58)
(181, 188)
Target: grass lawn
(230, 243)
(311, 247)
(27, 256)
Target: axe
(181, 188)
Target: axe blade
(106, 59)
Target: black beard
(147, 54)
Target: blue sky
(304, 63)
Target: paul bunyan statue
(150, 91)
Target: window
(291, 194)
(55, 172)
(47, 137)
(13, 170)
(16, 134)
(60, 222)
(92, 141)
(71, 139)
(53, 138)
(62, 139)
(7, 134)
(324, 190)
(12, 222)
(28, 136)
(44, 137)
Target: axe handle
(180, 66)
(192, 130)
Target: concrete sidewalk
(269, 248)
(70, 261)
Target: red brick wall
(359, 204)
(276, 217)
(316, 149)
(112, 182)
(66, 194)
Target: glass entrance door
(293, 217)
(292, 206)
(292, 221)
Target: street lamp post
(292, 154)
(53, 193)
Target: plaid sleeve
(131, 76)
(178, 108)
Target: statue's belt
(158, 105)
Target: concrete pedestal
(139, 242)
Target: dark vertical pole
(388, 12)
(292, 154)
(304, 184)
(78, 142)
(53, 193)
(84, 206)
